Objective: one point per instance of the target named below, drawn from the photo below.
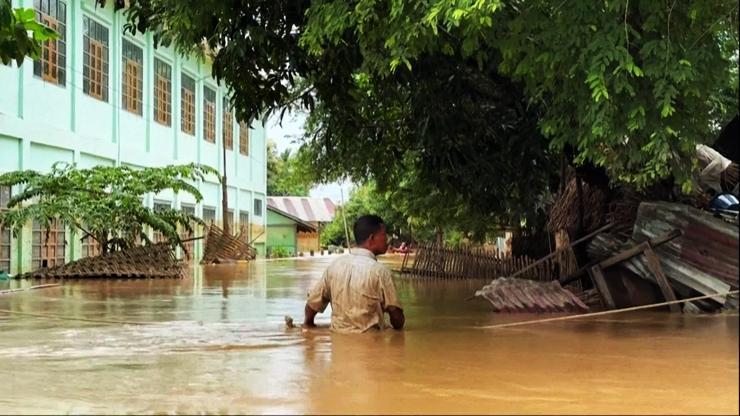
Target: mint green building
(101, 97)
(288, 233)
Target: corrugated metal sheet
(305, 208)
(709, 245)
(522, 295)
(704, 259)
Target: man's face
(379, 241)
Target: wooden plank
(624, 255)
(653, 264)
(598, 278)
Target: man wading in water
(359, 288)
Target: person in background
(360, 289)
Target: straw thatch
(565, 212)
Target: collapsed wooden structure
(703, 260)
(223, 247)
(678, 251)
(149, 261)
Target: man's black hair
(366, 225)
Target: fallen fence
(433, 260)
(149, 261)
(222, 246)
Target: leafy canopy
(469, 100)
(103, 202)
(633, 86)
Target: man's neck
(366, 251)
(366, 248)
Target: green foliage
(451, 140)
(463, 103)
(279, 252)
(103, 202)
(286, 175)
(20, 34)
(364, 200)
(410, 216)
(633, 86)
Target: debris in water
(521, 295)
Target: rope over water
(613, 311)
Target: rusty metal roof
(706, 251)
(305, 208)
(522, 295)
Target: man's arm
(318, 299)
(310, 315)
(391, 304)
(397, 317)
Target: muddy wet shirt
(360, 290)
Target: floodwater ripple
(216, 342)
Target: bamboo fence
(434, 260)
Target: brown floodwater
(216, 342)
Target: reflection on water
(216, 343)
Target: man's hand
(397, 317)
(310, 315)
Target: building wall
(42, 123)
(308, 241)
(281, 232)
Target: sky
(287, 135)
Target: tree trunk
(580, 251)
(225, 196)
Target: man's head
(370, 234)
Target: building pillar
(149, 88)
(176, 102)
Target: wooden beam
(598, 277)
(624, 255)
(653, 264)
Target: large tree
(470, 96)
(631, 85)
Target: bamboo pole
(609, 312)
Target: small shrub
(279, 252)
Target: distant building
(295, 223)
(290, 234)
(98, 96)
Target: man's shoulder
(343, 258)
(367, 263)
(340, 262)
(379, 269)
